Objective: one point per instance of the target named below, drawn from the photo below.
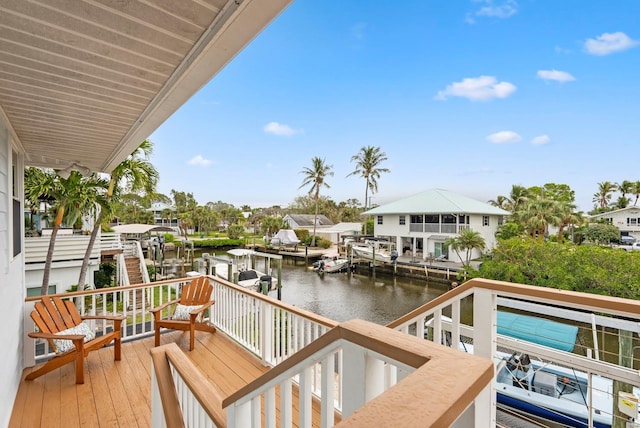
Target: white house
(336, 232)
(420, 224)
(159, 219)
(85, 96)
(626, 219)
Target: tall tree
(368, 161)
(518, 196)
(603, 196)
(466, 241)
(134, 174)
(71, 197)
(315, 176)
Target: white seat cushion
(183, 312)
(64, 345)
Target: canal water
(344, 296)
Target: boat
(549, 392)
(285, 238)
(375, 250)
(330, 263)
(241, 261)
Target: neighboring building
(336, 232)
(305, 221)
(159, 217)
(626, 219)
(420, 224)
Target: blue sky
(471, 96)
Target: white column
(485, 312)
(353, 379)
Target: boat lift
(210, 267)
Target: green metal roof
(437, 201)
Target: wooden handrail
(449, 395)
(259, 296)
(203, 391)
(575, 299)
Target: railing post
(267, 332)
(353, 379)
(157, 412)
(485, 310)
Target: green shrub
(103, 277)
(213, 243)
(169, 237)
(303, 235)
(235, 231)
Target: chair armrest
(164, 305)
(202, 307)
(39, 335)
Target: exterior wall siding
(392, 229)
(12, 290)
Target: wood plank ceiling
(85, 81)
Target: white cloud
(493, 9)
(199, 161)
(504, 137)
(481, 88)
(276, 128)
(608, 43)
(540, 140)
(558, 76)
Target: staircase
(133, 270)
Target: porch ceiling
(85, 81)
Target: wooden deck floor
(117, 394)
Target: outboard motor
(265, 284)
(394, 256)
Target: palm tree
(72, 197)
(603, 196)
(467, 240)
(636, 192)
(133, 174)
(567, 217)
(315, 176)
(367, 161)
(518, 196)
(500, 201)
(537, 214)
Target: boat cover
(538, 330)
(285, 237)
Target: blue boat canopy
(538, 330)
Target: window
(35, 291)
(463, 219)
(379, 219)
(485, 220)
(416, 219)
(402, 220)
(631, 221)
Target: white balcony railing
(600, 319)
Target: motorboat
(560, 395)
(241, 262)
(374, 250)
(330, 263)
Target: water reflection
(343, 296)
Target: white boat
(241, 262)
(547, 391)
(331, 263)
(378, 250)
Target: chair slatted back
(197, 292)
(52, 315)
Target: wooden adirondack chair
(53, 315)
(187, 312)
